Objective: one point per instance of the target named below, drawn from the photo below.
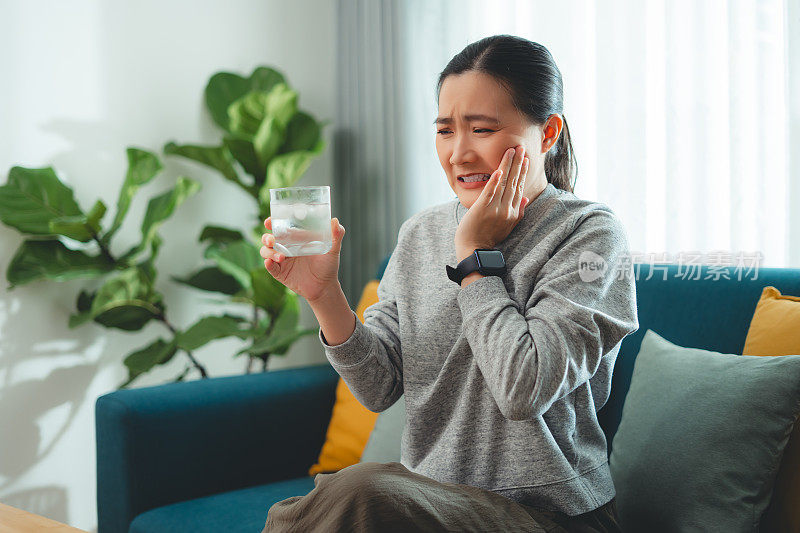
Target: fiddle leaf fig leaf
(84, 302)
(128, 317)
(268, 293)
(33, 197)
(211, 279)
(126, 301)
(268, 139)
(302, 133)
(285, 169)
(212, 328)
(73, 227)
(148, 265)
(219, 234)
(265, 78)
(141, 361)
(237, 259)
(160, 209)
(286, 323)
(277, 346)
(224, 88)
(281, 103)
(283, 334)
(216, 157)
(82, 228)
(96, 214)
(142, 167)
(244, 152)
(248, 112)
(52, 260)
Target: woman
(504, 370)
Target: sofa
(213, 455)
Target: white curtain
(680, 112)
(369, 182)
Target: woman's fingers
(490, 189)
(513, 176)
(267, 252)
(499, 177)
(268, 223)
(520, 187)
(505, 166)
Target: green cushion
(701, 437)
(383, 445)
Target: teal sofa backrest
(705, 306)
(708, 308)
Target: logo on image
(591, 266)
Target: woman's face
(476, 124)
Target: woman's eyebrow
(467, 118)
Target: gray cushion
(701, 437)
(383, 445)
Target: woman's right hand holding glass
(310, 276)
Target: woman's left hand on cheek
(499, 207)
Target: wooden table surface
(13, 520)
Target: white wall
(81, 80)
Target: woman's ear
(546, 132)
(551, 130)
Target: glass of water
(301, 220)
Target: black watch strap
(467, 265)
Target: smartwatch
(488, 262)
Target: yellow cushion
(775, 330)
(369, 296)
(351, 423)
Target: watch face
(491, 259)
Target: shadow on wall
(42, 389)
(46, 369)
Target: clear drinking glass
(301, 220)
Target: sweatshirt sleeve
(532, 357)
(370, 361)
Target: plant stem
(251, 357)
(267, 354)
(103, 248)
(194, 361)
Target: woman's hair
(527, 70)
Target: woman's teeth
(476, 177)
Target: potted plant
(266, 138)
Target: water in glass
(301, 228)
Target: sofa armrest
(170, 443)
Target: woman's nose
(462, 152)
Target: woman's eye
(477, 130)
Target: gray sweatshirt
(503, 378)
